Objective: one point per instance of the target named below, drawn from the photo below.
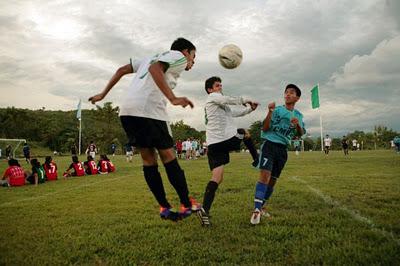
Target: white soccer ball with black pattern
(230, 56)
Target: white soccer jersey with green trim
(143, 97)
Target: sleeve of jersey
(173, 58)
(241, 111)
(225, 100)
(135, 64)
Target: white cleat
(255, 217)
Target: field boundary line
(354, 214)
(57, 192)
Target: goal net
(14, 144)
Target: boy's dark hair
(104, 157)
(47, 160)
(75, 159)
(210, 82)
(90, 158)
(35, 163)
(181, 44)
(13, 162)
(292, 86)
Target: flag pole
(320, 118)
(80, 134)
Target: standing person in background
(345, 145)
(50, 169)
(113, 148)
(73, 150)
(129, 149)
(91, 150)
(396, 141)
(354, 147)
(296, 144)
(178, 146)
(188, 149)
(27, 152)
(8, 152)
(327, 144)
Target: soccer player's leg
(176, 177)
(265, 165)
(154, 182)
(248, 142)
(217, 158)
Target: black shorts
(273, 157)
(218, 153)
(147, 133)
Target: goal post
(14, 147)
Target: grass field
(325, 210)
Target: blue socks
(268, 193)
(259, 196)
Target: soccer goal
(14, 143)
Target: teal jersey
(281, 130)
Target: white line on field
(352, 213)
(56, 192)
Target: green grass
(326, 210)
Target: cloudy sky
(54, 52)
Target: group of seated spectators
(16, 176)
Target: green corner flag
(315, 97)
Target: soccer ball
(230, 56)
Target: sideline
(354, 214)
(57, 192)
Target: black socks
(209, 195)
(154, 181)
(177, 179)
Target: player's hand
(254, 105)
(96, 98)
(271, 107)
(294, 121)
(182, 101)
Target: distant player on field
(345, 145)
(222, 137)
(144, 118)
(279, 127)
(27, 152)
(91, 150)
(327, 144)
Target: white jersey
(354, 142)
(219, 116)
(144, 98)
(328, 142)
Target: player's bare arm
(157, 72)
(124, 70)
(267, 121)
(295, 122)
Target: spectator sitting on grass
(14, 175)
(38, 175)
(77, 168)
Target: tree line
(59, 130)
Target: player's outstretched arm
(157, 72)
(127, 69)
(267, 121)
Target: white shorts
(129, 153)
(93, 154)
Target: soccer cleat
(265, 213)
(169, 214)
(255, 217)
(195, 205)
(184, 212)
(204, 217)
